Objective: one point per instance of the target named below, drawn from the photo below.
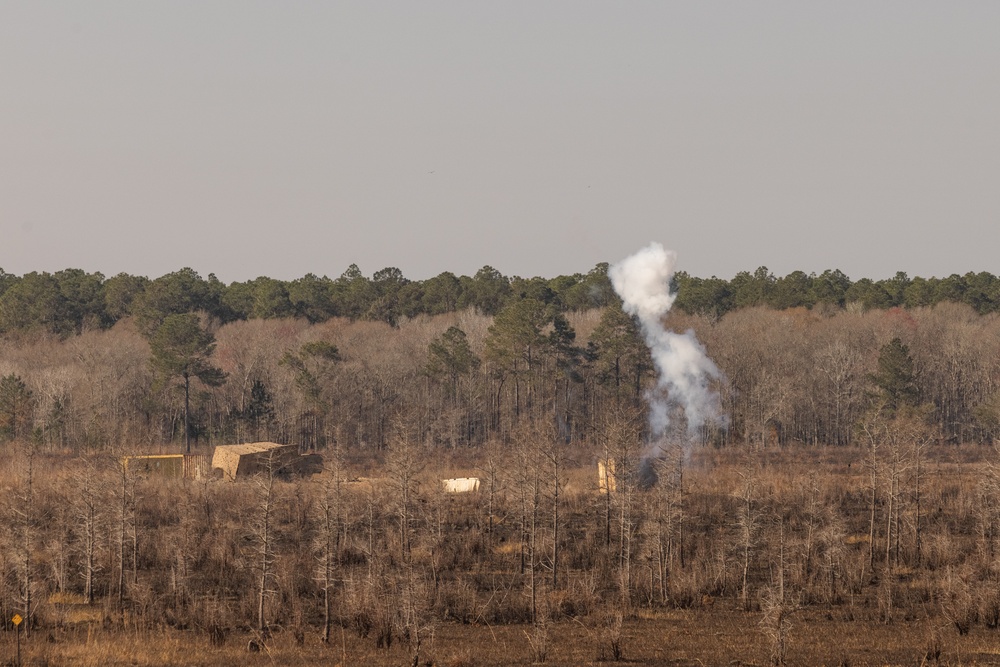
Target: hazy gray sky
(280, 138)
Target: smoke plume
(684, 371)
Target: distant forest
(88, 363)
(71, 301)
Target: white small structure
(461, 485)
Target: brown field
(468, 603)
(678, 637)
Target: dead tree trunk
(24, 520)
(263, 534)
(330, 520)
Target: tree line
(717, 296)
(70, 301)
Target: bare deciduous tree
(748, 525)
(330, 525)
(25, 518)
(89, 503)
(263, 533)
(404, 462)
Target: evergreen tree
(621, 357)
(895, 378)
(182, 348)
(449, 355)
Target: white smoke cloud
(684, 371)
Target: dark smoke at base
(648, 477)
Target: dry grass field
(678, 637)
(801, 527)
